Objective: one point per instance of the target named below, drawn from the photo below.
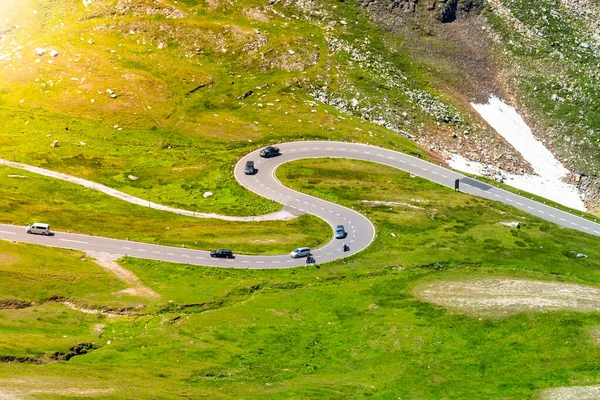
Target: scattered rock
(53, 53)
(132, 177)
(54, 144)
(513, 224)
(39, 51)
(581, 255)
(207, 194)
(246, 95)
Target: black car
(249, 169)
(269, 151)
(221, 254)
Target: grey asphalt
(361, 231)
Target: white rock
(109, 91)
(292, 52)
(39, 51)
(54, 53)
(133, 178)
(91, 41)
(207, 194)
(54, 144)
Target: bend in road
(361, 231)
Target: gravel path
(285, 214)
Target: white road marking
(10, 233)
(585, 227)
(141, 250)
(72, 241)
(156, 252)
(127, 248)
(562, 219)
(170, 254)
(185, 255)
(553, 216)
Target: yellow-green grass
(38, 274)
(355, 327)
(70, 207)
(179, 144)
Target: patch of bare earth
(572, 393)
(7, 259)
(500, 297)
(137, 287)
(25, 388)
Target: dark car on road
(340, 232)
(269, 151)
(222, 253)
(249, 169)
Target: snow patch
(548, 181)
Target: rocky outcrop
(443, 10)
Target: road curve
(361, 231)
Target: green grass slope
(354, 328)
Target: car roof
(41, 225)
(302, 248)
(340, 227)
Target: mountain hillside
(190, 74)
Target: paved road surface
(360, 230)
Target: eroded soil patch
(572, 393)
(498, 297)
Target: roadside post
(456, 184)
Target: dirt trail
(284, 215)
(137, 287)
(30, 388)
(499, 297)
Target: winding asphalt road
(361, 231)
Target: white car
(38, 228)
(300, 252)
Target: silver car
(300, 252)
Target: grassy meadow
(197, 85)
(353, 328)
